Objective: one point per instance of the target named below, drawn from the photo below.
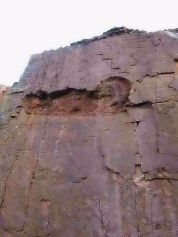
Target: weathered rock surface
(89, 140)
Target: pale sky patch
(31, 26)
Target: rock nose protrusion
(120, 90)
(117, 89)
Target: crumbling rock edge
(116, 31)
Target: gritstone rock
(89, 140)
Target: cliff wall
(89, 140)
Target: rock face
(89, 140)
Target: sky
(31, 26)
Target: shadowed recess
(109, 97)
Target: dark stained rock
(89, 140)
(174, 30)
(116, 31)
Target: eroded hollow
(109, 97)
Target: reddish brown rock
(89, 140)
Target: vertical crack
(33, 175)
(101, 153)
(136, 140)
(151, 217)
(136, 122)
(103, 226)
(136, 212)
(154, 108)
(12, 167)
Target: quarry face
(89, 140)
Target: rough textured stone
(89, 140)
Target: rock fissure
(33, 177)
(119, 179)
(151, 217)
(136, 213)
(162, 174)
(12, 168)
(81, 180)
(103, 226)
